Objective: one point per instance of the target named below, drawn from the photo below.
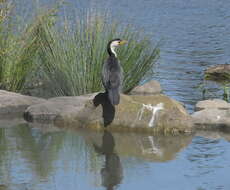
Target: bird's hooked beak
(122, 42)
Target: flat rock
(210, 104)
(150, 88)
(47, 111)
(212, 118)
(11, 103)
(155, 113)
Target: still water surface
(48, 158)
(195, 35)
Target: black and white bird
(112, 73)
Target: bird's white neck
(112, 47)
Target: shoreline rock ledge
(145, 110)
(14, 103)
(151, 113)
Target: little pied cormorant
(112, 72)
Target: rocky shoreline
(145, 109)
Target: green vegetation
(226, 93)
(73, 59)
(68, 60)
(207, 93)
(17, 51)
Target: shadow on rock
(108, 109)
(112, 172)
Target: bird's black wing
(111, 78)
(111, 74)
(105, 75)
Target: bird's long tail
(114, 96)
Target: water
(195, 35)
(34, 158)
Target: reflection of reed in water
(111, 173)
(39, 148)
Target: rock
(134, 113)
(149, 88)
(11, 103)
(46, 112)
(218, 72)
(209, 104)
(212, 118)
(212, 114)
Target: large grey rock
(156, 113)
(11, 103)
(212, 118)
(134, 113)
(210, 104)
(46, 112)
(150, 88)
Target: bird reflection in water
(112, 172)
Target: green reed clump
(68, 60)
(4, 37)
(19, 50)
(72, 58)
